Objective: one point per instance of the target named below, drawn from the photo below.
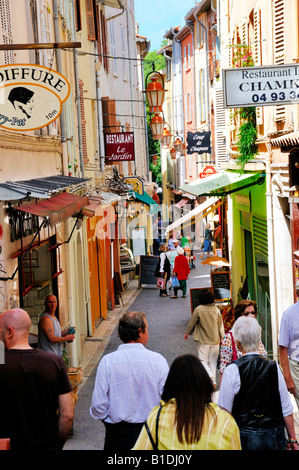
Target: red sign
(207, 171)
(120, 146)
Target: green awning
(146, 199)
(223, 183)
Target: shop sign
(207, 171)
(261, 86)
(31, 96)
(137, 184)
(198, 142)
(119, 146)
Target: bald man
(33, 385)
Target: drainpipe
(62, 115)
(272, 258)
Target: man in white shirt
(289, 346)
(128, 385)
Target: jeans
(263, 439)
(121, 437)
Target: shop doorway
(38, 272)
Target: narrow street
(167, 319)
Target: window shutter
(83, 123)
(220, 127)
(91, 30)
(244, 32)
(260, 238)
(279, 46)
(6, 31)
(109, 115)
(257, 55)
(78, 15)
(113, 48)
(104, 42)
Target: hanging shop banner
(119, 147)
(198, 142)
(31, 96)
(261, 86)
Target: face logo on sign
(31, 96)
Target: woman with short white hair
(253, 390)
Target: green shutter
(260, 238)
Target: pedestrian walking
(181, 270)
(206, 325)
(129, 383)
(228, 349)
(288, 342)
(209, 238)
(172, 253)
(36, 399)
(186, 418)
(254, 391)
(163, 269)
(50, 336)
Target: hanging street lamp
(155, 92)
(173, 153)
(165, 141)
(154, 160)
(178, 144)
(157, 126)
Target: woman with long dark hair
(187, 417)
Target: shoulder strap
(154, 444)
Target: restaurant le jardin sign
(119, 147)
(31, 96)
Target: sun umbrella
(216, 261)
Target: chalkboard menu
(147, 269)
(220, 281)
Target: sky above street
(155, 17)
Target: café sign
(198, 142)
(31, 96)
(119, 146)
(261, 86)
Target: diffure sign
(261, 86)
(31, 96)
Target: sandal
(174, 297)
(164, 295)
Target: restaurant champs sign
(119, 147)
(31, 96)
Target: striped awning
(57, 208)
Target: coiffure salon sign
(31, 96)
(261, 86)
(119, 146)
